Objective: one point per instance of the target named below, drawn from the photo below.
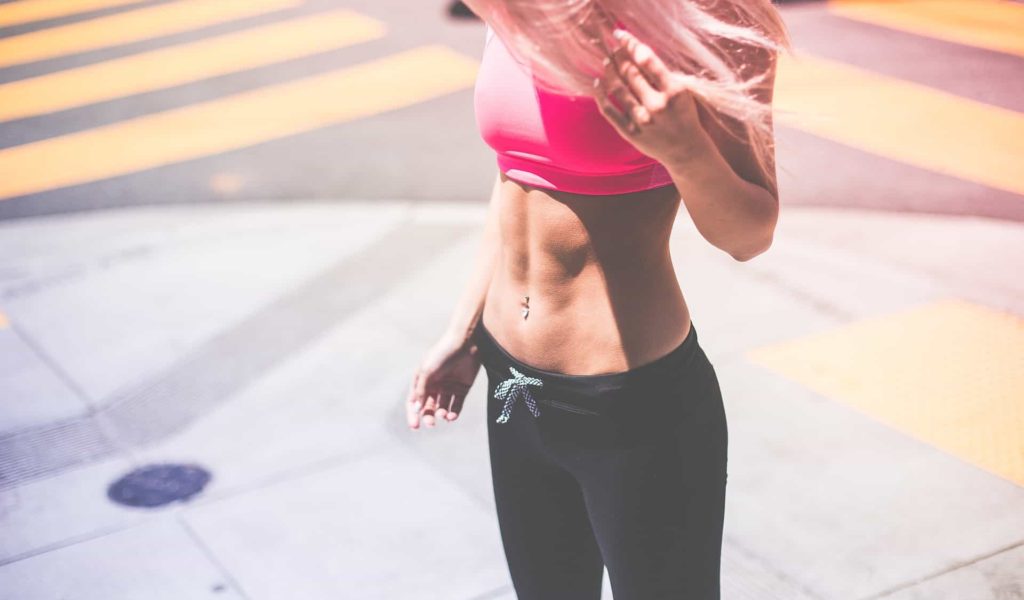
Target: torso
(604, 297)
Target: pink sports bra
(553, 141)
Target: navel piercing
(526, 307)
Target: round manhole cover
(156, 485)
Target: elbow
(747, 253)
(755, 245)
(755, 236)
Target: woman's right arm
(443, 379)
(469, 309)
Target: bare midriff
(603, 293)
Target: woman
(606, 426)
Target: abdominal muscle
(604, 297)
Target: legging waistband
(661, 370)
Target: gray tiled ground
(46, 514)
(997, 577)
(383, 526)
(331, 392)
(159, 560)
(26, 374)
(150, 295)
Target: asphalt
(257, 314)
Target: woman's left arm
(732, 201)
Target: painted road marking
(235, 121)
(166, 67)
(133, 26)
(903, 121)
(949, 373)
(991, 24)
(28, 11)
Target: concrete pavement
(272, 344)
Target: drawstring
(514, 387)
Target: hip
(674, 394)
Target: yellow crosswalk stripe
(903, 121)
(177, 65)
(235, 121)
(28, 11)
(992, 24)
(132, 26)
(949, 373)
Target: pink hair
(724, 50)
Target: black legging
(625, 470)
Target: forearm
(469, 308)
(733, 214)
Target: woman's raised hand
(657, 112)
(442, 381)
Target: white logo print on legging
(514, 387)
